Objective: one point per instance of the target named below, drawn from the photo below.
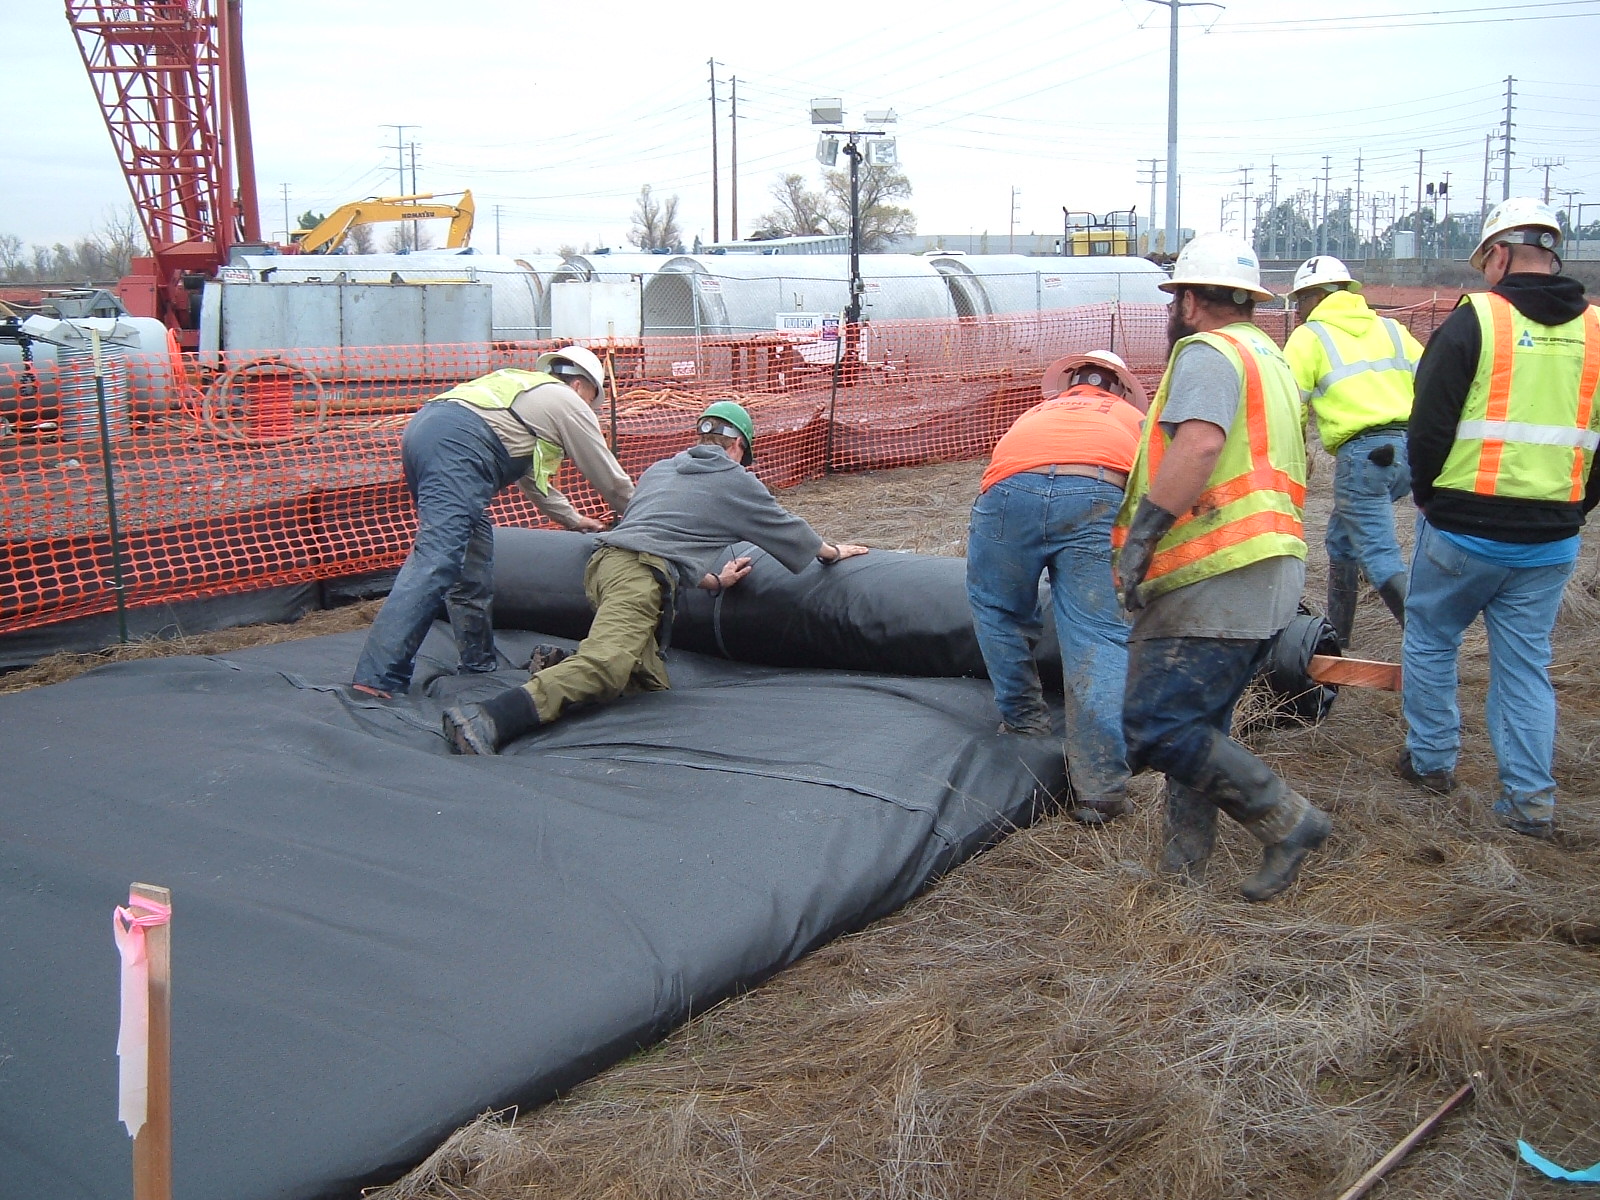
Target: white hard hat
(1510, 216)
(1058, 376)
(1217, 260)
(1323, 270)
(584, 360)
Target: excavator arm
(329, 234)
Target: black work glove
(1383, 456)
(1150, 525)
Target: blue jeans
(453, 465)
(1361, 526)
(1023, 527)
(1449, 588)
(1181, 694)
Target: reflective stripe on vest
(498, 391)
(1253, 504)
(1528, 425)
(1364, 368)
(1339, 370)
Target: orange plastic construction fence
(234, 471)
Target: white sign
(803, 325)
(710, 284)
(235, 274)
(1052, 281)
(680, 369)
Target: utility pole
(1377, 250)
(1011, 237)
(1150, 221)
(414, 232)
(1544, 164)
(1444, 201)
(497, 229)
(287, 228)
(1356, 208)
(400, 151)
(1244, 207)
(716, 202)
(1505, 183)
(1272, 209)
(733, 165)
(1418, 222)
(1483, 204)
(1172, 116)
(1327, 205)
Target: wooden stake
(1354, 672)
(1381, 1168)
(152, 1148)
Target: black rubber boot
(1191, 833)
(1286, 824)
(484, 728)
(1393, 591)
(1344, 585)
(1290, 832)
(1100, 810)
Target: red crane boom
(169, 75)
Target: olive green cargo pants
(621, 655)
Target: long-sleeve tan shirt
(556, 413)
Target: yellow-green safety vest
(1359, 381)
(1529, 425)
(1253, 505)
(499, 389)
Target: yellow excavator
(327, 237)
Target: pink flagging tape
(133, 1033)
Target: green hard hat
(725, 413)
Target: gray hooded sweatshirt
(690, 508)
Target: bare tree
(362, 239)
(655, 222)
(800, 212)
(13, 263)
(121, 238)
(882, 222)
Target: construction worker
(459, 449)
(686, 511)
(1212, 564)
(1355, 371)
(1045, 506)
(1502, 448)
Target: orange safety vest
(1253, 505)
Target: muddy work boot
(485, 728)
(1292, 830)
(1286, 824)
(1100, 810)
(1344, 585)
(1393, 593)
(1440, 783)
(1191, 833)
(545, 655)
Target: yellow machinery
(1088, 235)
(329, 235)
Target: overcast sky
(557, 116)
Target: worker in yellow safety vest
(1211, 560)
(458, 451)
(1502, 446)
(1355, 372)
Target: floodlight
(881, 116)
(827, 150)
(881, 152)
(827, 111)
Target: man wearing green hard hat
(684, 513)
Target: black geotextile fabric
(885, 611)
(374, 940)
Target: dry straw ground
(1054, 1020)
